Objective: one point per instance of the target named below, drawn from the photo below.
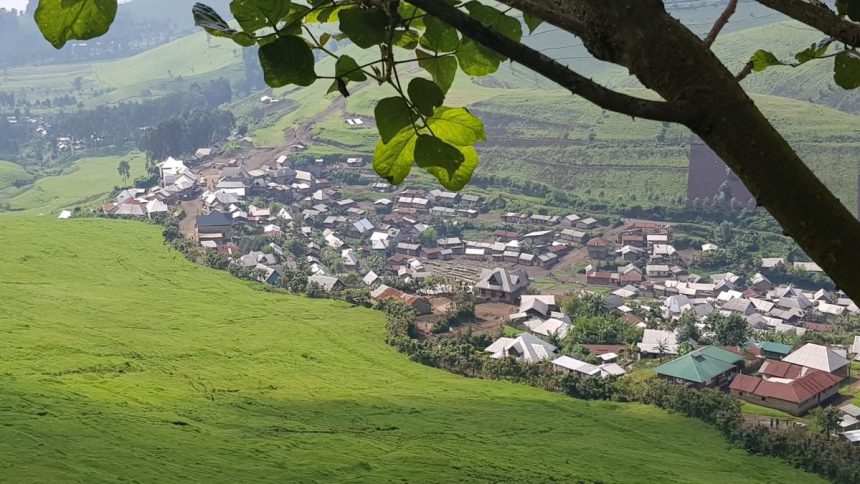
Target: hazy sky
(19, 4)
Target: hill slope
(121, 360)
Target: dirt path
(192, 209)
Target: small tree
(124, 170)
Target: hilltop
(123, 360)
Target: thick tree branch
(820, 17)
(553, 70)
(671, 60)
(721, 22)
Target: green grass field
(87, 181)
(120, 360)
(12, 175)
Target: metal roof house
(705, 367)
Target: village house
(658, 342)
(575, 236)
(421, 304)
(408, 249)
(772, 350)
(587, 223)
(525, 347)
(709, 366)
(213, 226)
(819, 357)
(501, 285)
(791, 388)
(327, 283)
(597, 248)
(570, 220)
(657, 270)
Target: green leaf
(846, 70)
(442, 69)
(406, 39)
(532, 22)
(326, 14)
(457, 126)
(439, 36)
(324, 38)
(365, 27)
(393, 160)
(254, 15)
(477, 60)
(206, 17)
(346, 69)
(805, 55)
(496, 20)
(425, 95)
(763, 59)
(392, 115)
(407, 11)
(288, 60)
(459, 178)
(64, 20)
(431, 151)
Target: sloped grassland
(122, 361)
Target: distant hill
(13, 176)
(123, 361)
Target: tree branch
(674, 62)
(721, 22)
(820, 17)
(553, 70)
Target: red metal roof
(598, 242)
(798, 391)
(745, 383)
(780, 369)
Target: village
(267, 218)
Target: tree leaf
(425, 95)
(206, 17)
(763, 59)
(393, 160)
(365, 27)
(406, 39)
(431, 151)
(457, 126)
(288, 60)
(254, 15)
(532, 22)
(64, 20)
(460, 177)
(477, 60)
(347, 68)
(443, 70)
(439, 36)
(846, 70)
(496, 20)
(392, 116)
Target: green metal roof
(777, 348)
(700, 365)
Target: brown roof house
(501, 285)
(784, 386)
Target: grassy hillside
(159, 70)
(86, 182)
(123, 361)
(12, 175)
